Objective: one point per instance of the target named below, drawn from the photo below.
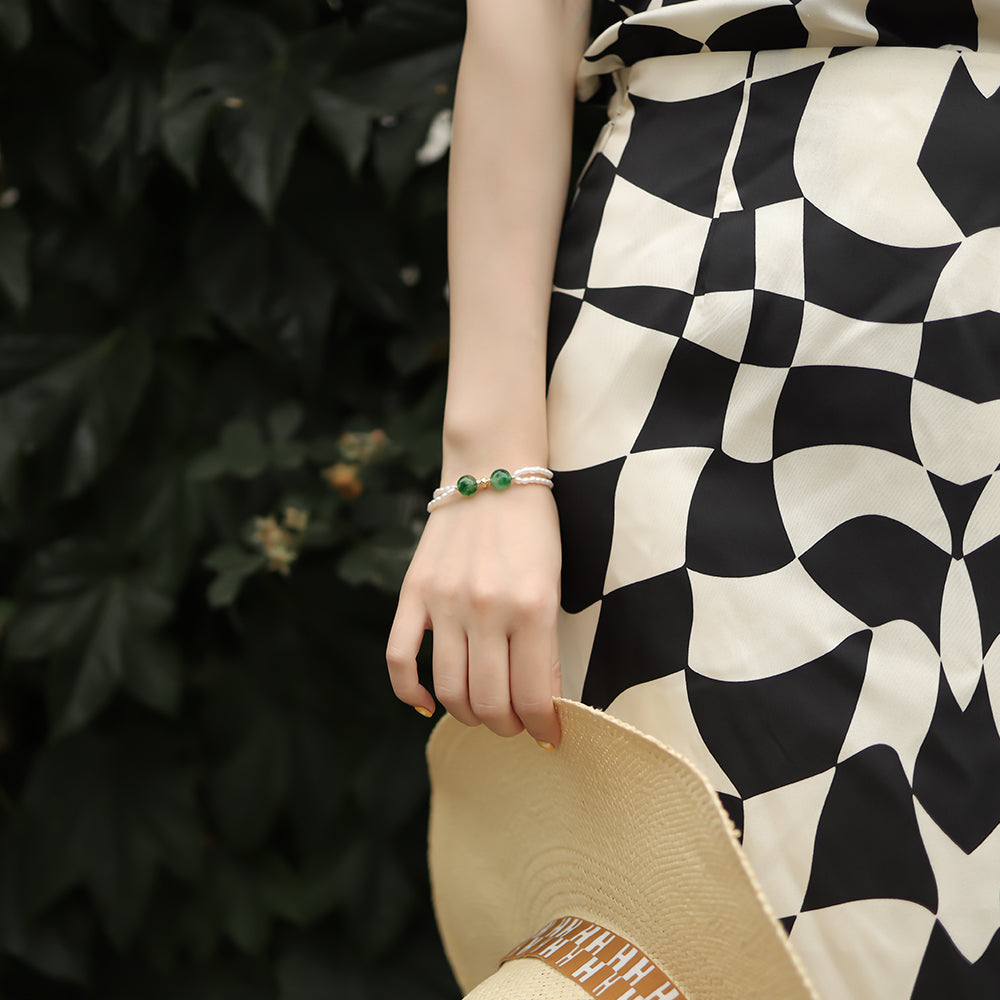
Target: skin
(485, 575)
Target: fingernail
(545, 745)
(425, 712)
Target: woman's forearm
(507, 185)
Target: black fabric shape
(734, 807)
(787, 922)
(962, 355)
(690, 405)
(676, 148)
(775, 325)
(582, 223)
(868, 844)
(763, 170)
(957, 774)
(626, 650)
(586, 501)
(984, 571)
(664, 309)
(642, 41)
(961, 154)
(771, 28)
(958, 503)
(777, 730)
(882, 571)
(946, 973)
(734, 525)
(563, 311)
(833, 405)
(858, 277)
(729, 260)
(924, 23)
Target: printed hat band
(606, 965)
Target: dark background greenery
(222, 269)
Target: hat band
(606, 965)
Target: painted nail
(425, 712)
(545, 745)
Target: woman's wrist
(478, 447)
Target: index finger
(405, 638)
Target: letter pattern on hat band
(606, 965)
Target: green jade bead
(467, 486)
(500, 479)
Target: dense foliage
(222, 334)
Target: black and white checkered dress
(774, 404)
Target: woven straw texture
(528, 979)
(612, 827)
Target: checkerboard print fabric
(774, 419)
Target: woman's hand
(485, 580)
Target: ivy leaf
(236, 72)
(107, 812)
(396, 145)
(397, 85)
(94, 624)
(284, 420)
(146, 19)
(154, 674)
(233, 565)
(241, 451)
(277, 747)
(120, 118)
(250, 781)
(15, 241)
(266, 284)
(15, 22)
(344, 125)
(77, 17)
(79, 409)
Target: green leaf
(77, 17)
(249, 783)
(236, 894)
(15, 243)
(78, 409)
(266, 284)
(153, 674)
(348, 224)
(94, 623)
(243, 447)
(396, 145)
(285, 419)
(119, 119)
(164, 513)
(146, 19)
(344, 125)
(237, 69)
(108, 812)
(380, 561)
(398, 85)
(57, 943)
(233, 565)
(15, 22)
(117, 377)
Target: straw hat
(605, 869)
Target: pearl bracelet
(500, 479)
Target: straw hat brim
(612, 827)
